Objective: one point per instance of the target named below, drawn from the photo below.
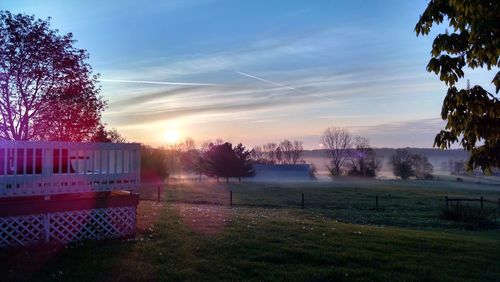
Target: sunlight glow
(172, 136)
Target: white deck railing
(45, 168)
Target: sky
(258, 71)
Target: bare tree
(270, 152)
(279, 155)
(337, 143)
(258, 154)
(298, 150)
(287, 152)
(188, 145)
(286, 147)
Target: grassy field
(193, 234)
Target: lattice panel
(21, 230)
(98, 224)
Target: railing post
(376, 202)
(302, 207)
(231, 198)
(446, 199)
(482, 202)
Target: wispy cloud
(159, 82)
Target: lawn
(193, 234)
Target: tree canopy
(402, 164)
(405, 165)
(472, 114)
(47, 89)
(364, 161)
(225, 161)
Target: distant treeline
(216, 159)
(343, 154)
(455, 154)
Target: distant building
(281, 172)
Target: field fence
(174, 192)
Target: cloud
(425, 125)
(158, 82)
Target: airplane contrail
(159, 82)
(265, 80)
(281, 85)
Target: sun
(172, 136)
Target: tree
(457, 167)
(154, 166)
(402, 165)
(188, 155)
(297, 151)
(47, 90)
(337, 143)
(199, 166)
(102, 134)
(364, 162)
(472, 114)
(244, 166)
(286, 147)
(225, 161)
(278, 155)
(220, 161)
(422, 167)
(258, 155)
(270, 152)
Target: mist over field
(436, 157)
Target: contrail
(159, 82)
(265, 80)
(281, 85)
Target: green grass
(413, 204)
(266, 236)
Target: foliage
(337, 143)
(457, 167)
(225, 161)
(48, 91)
(154, 165)
(188, 155)
(102, 134)
(472, 217)
(406, 165)
(364, 162)
(402, 164)
(422, 167)
(472, 114)
(244, 164)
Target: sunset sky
(258, 71)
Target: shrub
(471, 217)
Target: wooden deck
(48, 168)
(60, 192)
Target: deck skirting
(67, 219)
